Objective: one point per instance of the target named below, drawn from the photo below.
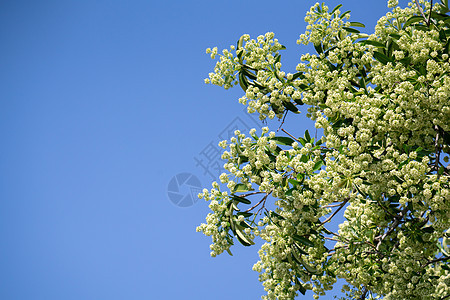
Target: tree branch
(263, 199)
(392, 227)
(337, 210)
(295, 139)
(420, 9)
(364, 293)
(437, 260)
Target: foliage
(382, 101)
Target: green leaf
(240, 42)
(301, 288)
(240, 187)
(352, 30)
(372, 43)
(336, 8)
(318, 48)
(308, 267)
(357, 24)
(290, 106)
(241, 199)
(248, 73)
(245, 225)
(229, 252)
(277, 58)
(307, 136)
(303, 240)
(299, 101)
(359, 190)
(275, 215)
(381, 57)
(297, 75)
(317, 165)
(395, 36)
(243, 82)
(242, 238)
(412, 20)
(283, 140)
(406, 61)
(344, 14)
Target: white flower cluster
(384, 106)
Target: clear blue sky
(101, 104)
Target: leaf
(395, 36)
(352, 30)
(301, 288)
(303, 240)
(245, 214)
(357, 24)
(318, 48)
(307, 136)
(229, 252)
(240, 42)
(308, 267)
(283, 140)
(243, 82)
(372, 43)
(336, 8)
(302, 141)
(248, 73)
(242, 238)
(297, 75)
(412, 20)
(344, 14)
(317, 165)
(241, 199)
(381, 57)
(245, 225)
(359, 190)
(240, 187)
(275, 215)
(290, 106)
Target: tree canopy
(383, 103)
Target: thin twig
(282, 129)
(337, 210)
(364, 293)
(437, 148)
(437, 260)
(392, 227)
(254, 206)
(250, 194)
(332, 205)
(420, 9)
(284, 118)
(429, 16)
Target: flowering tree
(383, 102)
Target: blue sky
(102, 103)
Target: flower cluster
(384, 106)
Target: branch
(337, 210)
(284, 118)
(295, 139)
(437, 260)
(392, 227)
(429, 16)
(437, 148)
(263, 199)
(364, 293)
(420, 9)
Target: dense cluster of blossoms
(383, 102)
